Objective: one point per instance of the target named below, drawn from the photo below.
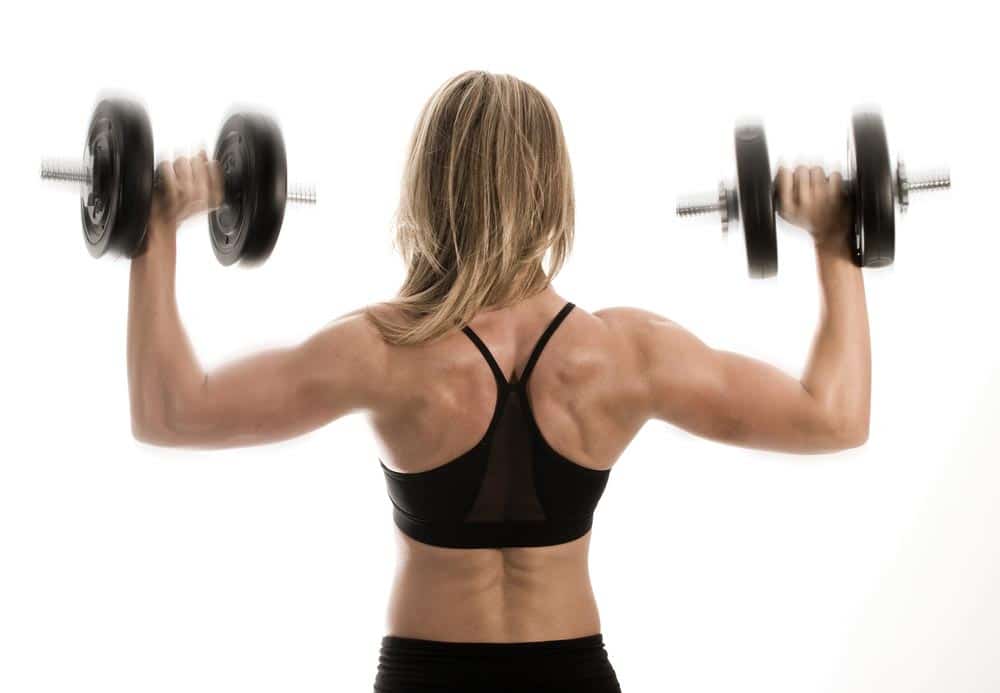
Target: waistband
(577, 664)
(476, 649)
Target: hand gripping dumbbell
(117, 179)
(871, 186)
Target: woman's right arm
(743, 401)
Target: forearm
(162, 366)
(838, 374)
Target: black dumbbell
(117, 180)
(872, 187)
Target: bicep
(725, 396)
(282, 393)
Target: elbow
(851, 432)
(145, 417)
(144, 432)
(154, 431)
(159, 421)
(854, 438)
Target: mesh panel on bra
(507, 492)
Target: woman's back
(495, 459)
(448, 396)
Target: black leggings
(408, 665)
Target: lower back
(492, 595)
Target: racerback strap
(535, 353)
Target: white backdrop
(129, 568)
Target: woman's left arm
(266, 397)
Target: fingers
(182, 169)
(167, 182)
(802, 190)
(166, 176)
(207, 180)
(785, 184)
(213, 172)
(817, 179)
(188, 185)
(807, 194)
(199, 179)
(836, 185)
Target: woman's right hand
(188, 186)
(808, 198)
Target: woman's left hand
(187, 186)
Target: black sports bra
(511, 489)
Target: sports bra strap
(543, 340)
(494, 366)
(530, 365)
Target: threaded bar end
(699, 206)
(936, 180)
(68, 171)
(301, 194)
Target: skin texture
(602, 376)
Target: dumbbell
(117, 179)
(873, 190)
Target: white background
(128, 568)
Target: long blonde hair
(487, 193)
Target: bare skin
(600, 379)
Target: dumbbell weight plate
(115, 201)
(873, 235)
(251, 151)
(756, 200)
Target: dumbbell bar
(74, 172)
(117, 179)
(872, 189)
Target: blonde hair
(487, 193)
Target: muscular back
(585, 409)
(587, 405)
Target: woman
(499, 407)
